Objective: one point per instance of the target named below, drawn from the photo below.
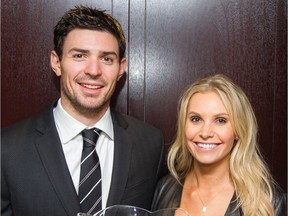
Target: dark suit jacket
(35, 180)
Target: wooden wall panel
(279, 146)
(26, 78)
(120, 9)
(188, 39)
(137, 54)
(170, 43)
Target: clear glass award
(126, 210)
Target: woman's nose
(206, 131)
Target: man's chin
(91, 108)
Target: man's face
(89, 71)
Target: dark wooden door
(170, 44)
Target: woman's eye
(222, 120)
(195, 119)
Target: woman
(215, 164)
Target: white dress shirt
(70, 129)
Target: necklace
(205, 205)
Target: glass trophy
(126, 210)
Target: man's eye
(77, 56)
(108, 59)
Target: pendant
(204, 209)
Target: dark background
(171, 43)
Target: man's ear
(123, 64)
(55, 63)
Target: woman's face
(208, 130)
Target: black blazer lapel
(122, 151)
(51, 153)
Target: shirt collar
(70, 127)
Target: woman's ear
(55, 63)
(236, 140)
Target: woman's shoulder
(279, 201)
(168, 180)
(167, 194)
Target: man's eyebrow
(78, 50)
(109, 53)
(75, 49)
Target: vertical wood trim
(279, 145)
(120, 10)
(136, 77)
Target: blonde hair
(250, 174)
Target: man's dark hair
(82, 17)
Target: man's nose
(93, 68)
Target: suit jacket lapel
(53, 159)
(122, 152)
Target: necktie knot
(90, 137)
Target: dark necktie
(90, 195)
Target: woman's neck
(209, 177)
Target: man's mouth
(92, 86)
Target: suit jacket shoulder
(34, 173)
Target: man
(41, 156)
